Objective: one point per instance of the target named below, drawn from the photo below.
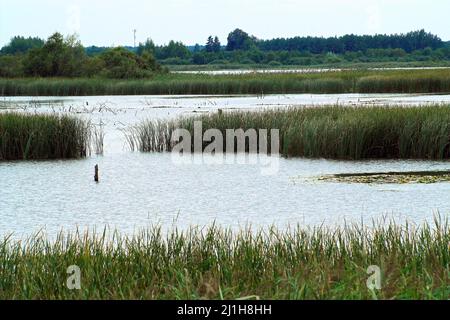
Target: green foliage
(37, 137)
(10, 66)
(239, 40)
(415, 48)
(122, 64)
(148, 46)
(412, 41)
(58, 57)
(173, 50)
(217, 263)
(20, 45)
(213, 44)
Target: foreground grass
(334, 132)
(38, 137)
(217, 263)
(352, 81)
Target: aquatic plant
(424, 177)
(38, 137)
(347, 81)
(335, 132)
(217, 263)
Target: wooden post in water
(96, 178)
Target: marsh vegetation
(334, 132)
(41, 137)
(218, 263)
(423, 177)
(348, 81)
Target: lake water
(139, 190)
(298, 70)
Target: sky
(111, 22)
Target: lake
(139, 190)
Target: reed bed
(40, 137)
(334, 132)
(347, 81)
(217, 263)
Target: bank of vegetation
(350, 81)
(66, 57)
(42, 137)
(216, 263)
(334, 132)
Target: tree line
(66, 57)
(59, 56)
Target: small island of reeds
(42, 137)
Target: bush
(11, 66)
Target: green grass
(363, 81)
(217, 263)
(39, 137)
(333, 132)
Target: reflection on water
(138, 190)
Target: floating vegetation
(41, 137)
(216, 263)
(422, 177)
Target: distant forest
(37, 57)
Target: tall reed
(347, 81)
(217, 263)
(334, 132)
(38, 137)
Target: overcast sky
(110, 22)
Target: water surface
(139, 190)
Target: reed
(218, 263)
(335, 132)
(97, 138)
(39, 137)
(347, 81)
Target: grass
(39, 137)
(334, 132)
(217, 263)
(350, 81)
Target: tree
(409, 42)
(149, 62)
(239, 40)
(199, 58)
(216, 45)
(121, 63)
(58, 57)
(22, 45)
(11, 66)
(209, 44)
(197, 48)
(173, 50)
(148, 46)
